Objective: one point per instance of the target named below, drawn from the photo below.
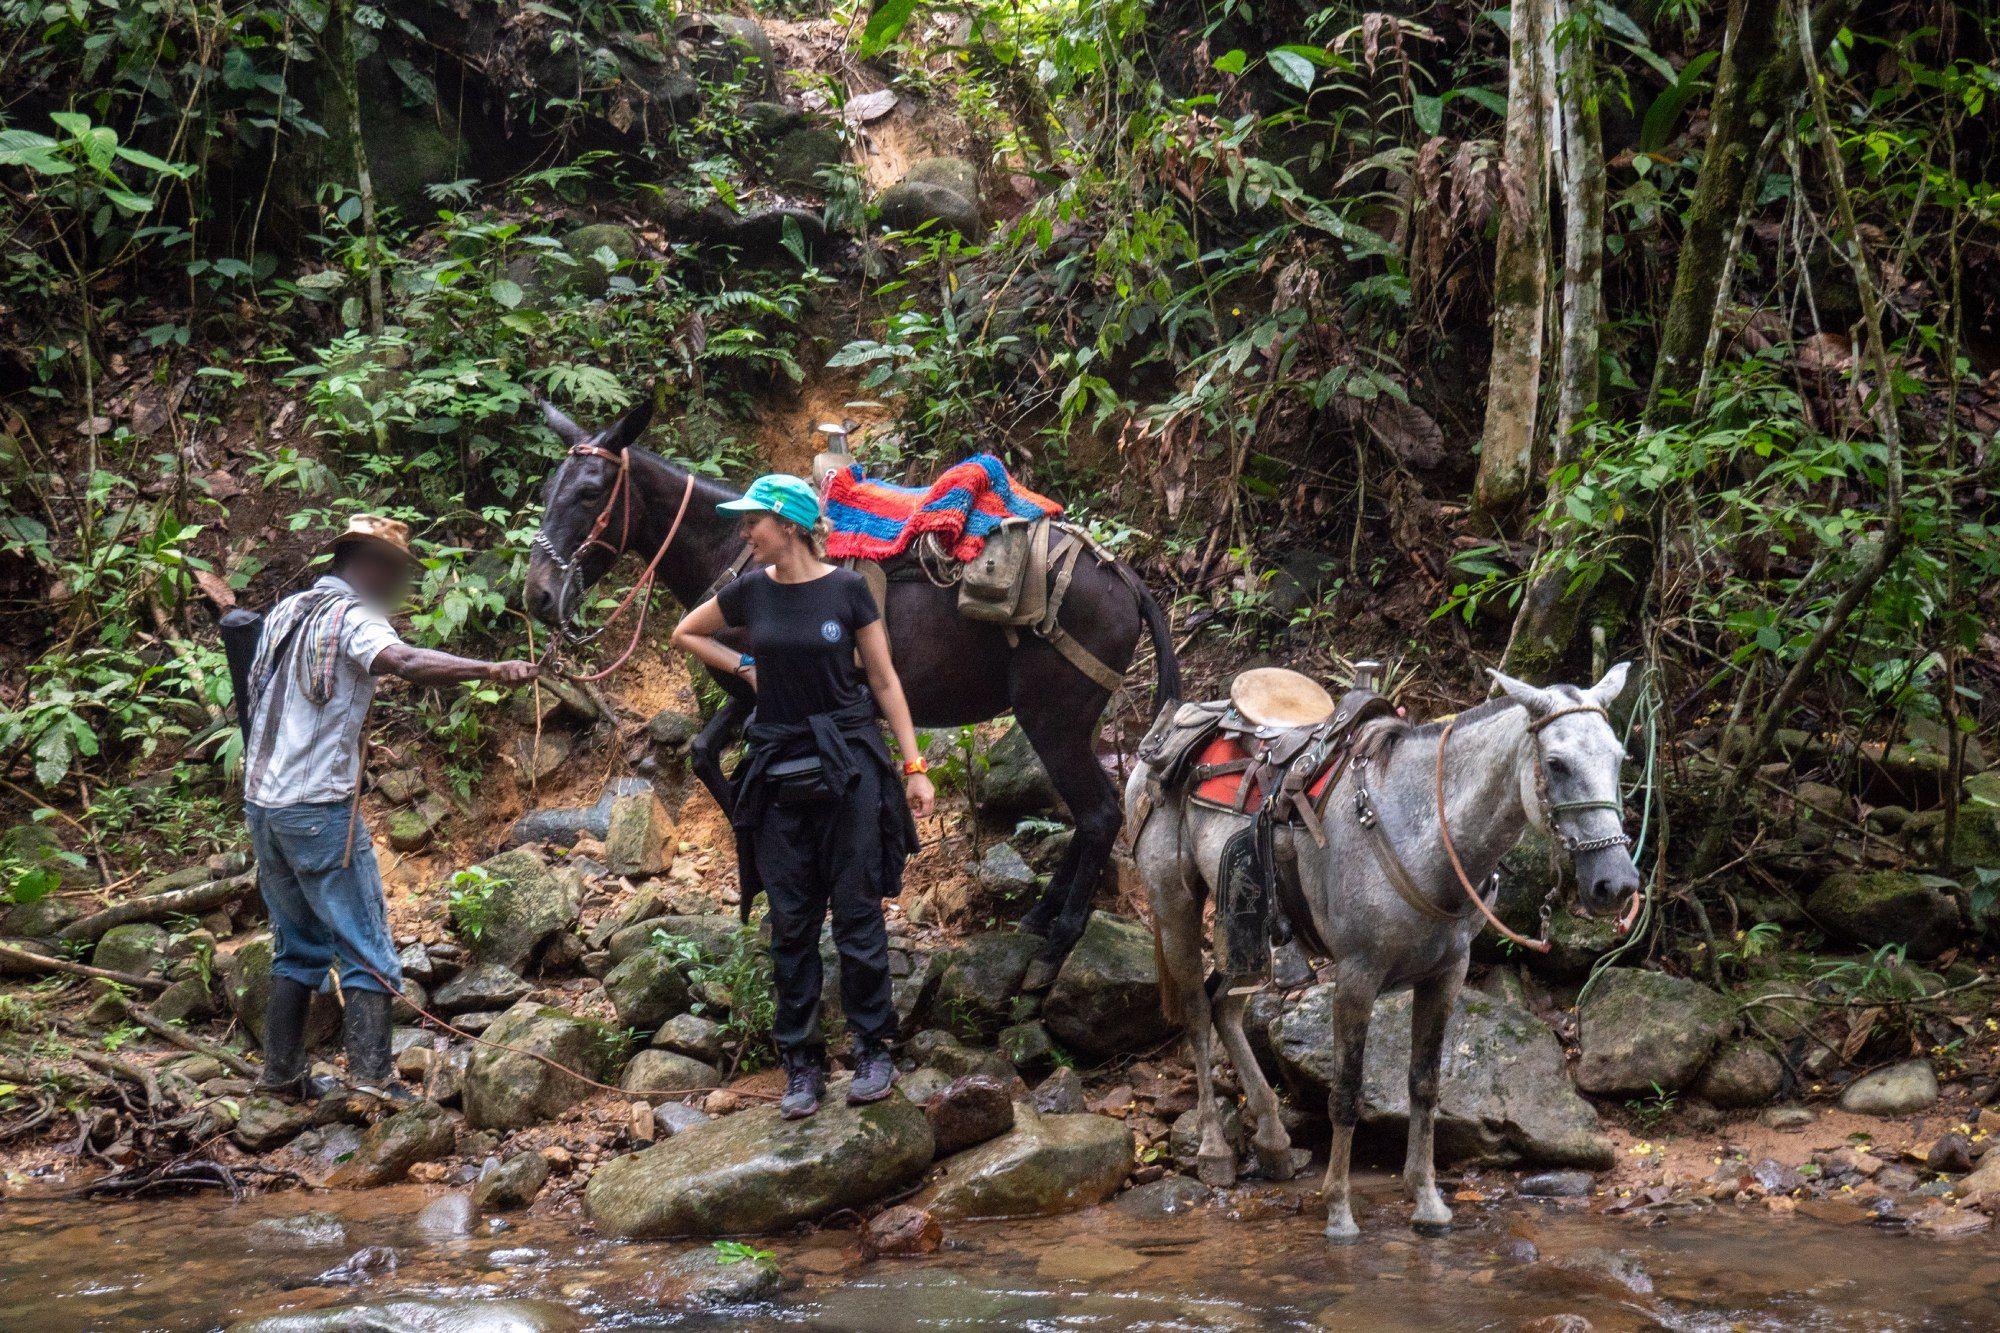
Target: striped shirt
(300, 752)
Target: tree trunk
(1520, 271)
(1757, 78)
(339, 48)
(1581, 141)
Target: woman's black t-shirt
(803, 637)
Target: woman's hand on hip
(922, 796)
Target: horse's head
(563, 562)
(1569, 783)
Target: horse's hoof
(1218, 1173)
(1342, 1235)
(1040, 976)
(1282, 1163)
(1431, 1229)
(1029, 926)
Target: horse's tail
(1173, 1004)
(1167, 667)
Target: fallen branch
(160, 905)
(41, 962)
(187, 1041)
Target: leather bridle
(621, 490)
(1399, 875)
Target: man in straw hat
(310, 686)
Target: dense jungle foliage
(1451, 335)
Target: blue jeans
(321, 910)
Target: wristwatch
(912, 767)
(744, 662)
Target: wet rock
(1046, 1164)
(1106, 999)
(401, 786)
(447, 1217)
(1504, 1094)
(754, 1173)
(537, 758)
(44, 918)
(692, 1035)
(902, 1230)
(968, 1112)
(596, 252)
(1028, 1047)
(657, 1075)
(482, 986)
(246, 985)
(1743, 1074)
(1015, 785)
(1003, 873)
(188, 999)
(511, 1184)
(1982, 1187)
(439, 1315)
(417, 964)
(263, 1122)
(908, 205)
(423, 1133)
(1166, 1197)
(799, 155)
(138, 947)
(647, 989)
(1879, 907)
(1557, 1185)
(507, 1089)
(910, 994)
(411, 829)
(1061, 1093)
(1642, 1030)
(639, 839)
(671, 1118)
(1901, 1089)
(531, 902)
(730, 49)
(979, 981)
(713, 934)
(1787, 1117)
(302, 1231)
(1952, 1155)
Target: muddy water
(1254, 1262)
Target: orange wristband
(912, 767)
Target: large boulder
(423, 1133)
(975, 991)
(510, 1089)
(1106, 999)
(714, 935)
(138, 947)
(1743, 1074)
(1504, 1096)
(483, 986)
(1643, 1032)
(424, 1315)
(1046, 1164)
(799, 155)
(730, 49)
(655, 1076)
(531, 903)
(563, 825)
(1015, 784)
(754, 1173)
(967, 1112)
(596, 251)
(647, 989)
(1901, 1089)
(639, 839)
(513, 1183)
(1878, 907)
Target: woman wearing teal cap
(818, 823)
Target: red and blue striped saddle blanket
(874, 519)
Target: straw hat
(390, 534)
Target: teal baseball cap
(779, 494)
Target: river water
(1254, 1261)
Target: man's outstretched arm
(425, 666)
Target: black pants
(812, 856)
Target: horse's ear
(1605, 692)
(1538, 701)
(631, 426)
(566, 430)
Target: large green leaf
(885, 25)
(1292, 67)
(1657, 129)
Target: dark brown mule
(955, 671)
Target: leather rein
(621, 489)
(1399, 875)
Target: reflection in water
(1254, 1262)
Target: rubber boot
(365, 1031)
(285, 1016)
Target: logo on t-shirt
(830, 631)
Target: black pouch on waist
(795, 780)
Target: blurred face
(380, 577)
(769, 536)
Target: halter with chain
(621, 489)
(1551, 810)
